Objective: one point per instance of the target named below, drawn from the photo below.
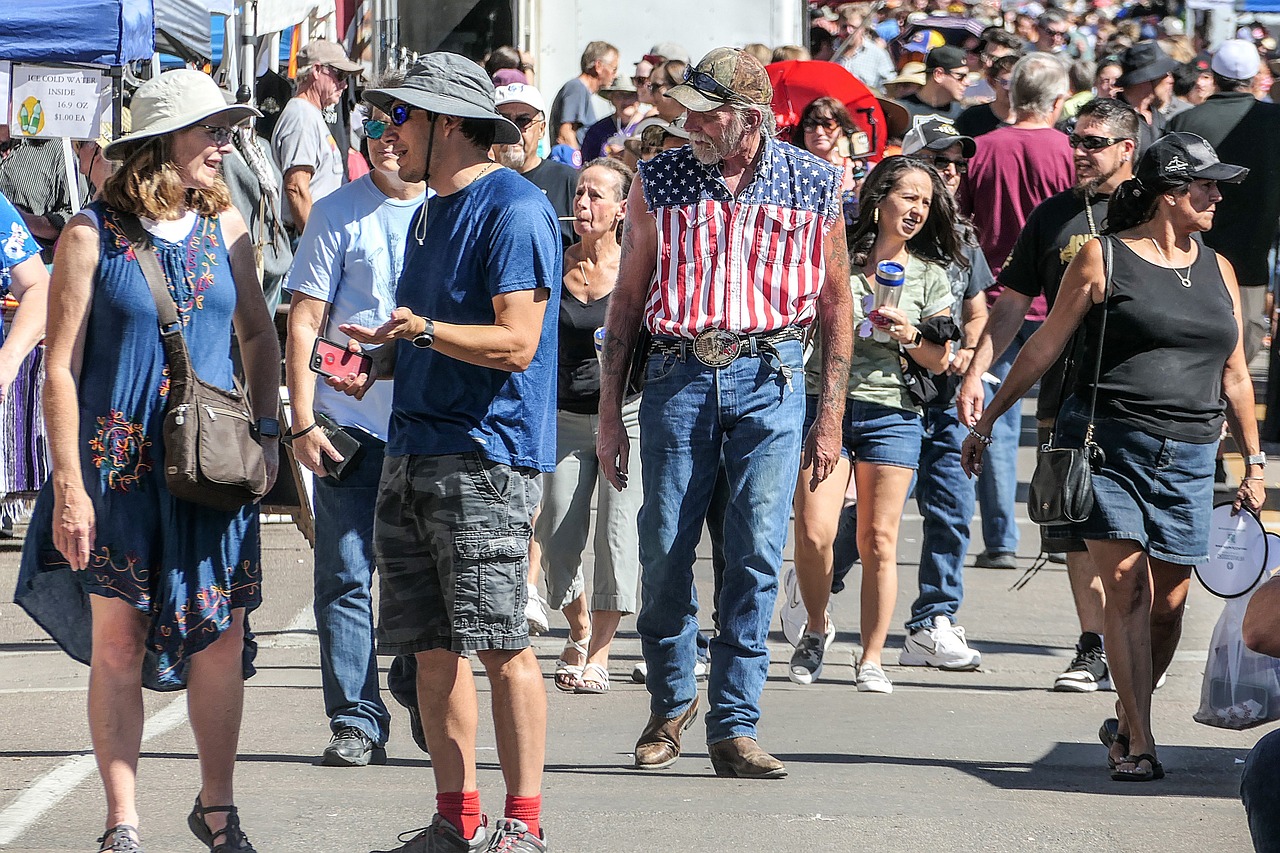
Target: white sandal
(569, 676)
(594, 679)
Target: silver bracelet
(985, 440)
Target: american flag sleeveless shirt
(749, 264)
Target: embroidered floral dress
(185, 566)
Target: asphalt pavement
(991, 760)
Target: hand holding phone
(335, 360)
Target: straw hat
(173, 101)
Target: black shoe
(415, 728)
(351, 747)
(996, 560)
(1088, 670)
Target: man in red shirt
(1015, 168)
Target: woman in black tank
(561, 528)
(1171, 369)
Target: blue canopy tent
(94, 32)
(1272, 6)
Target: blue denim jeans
(946, 498)
(694, 419)
(998, 482)
(1260, 791)
(343, 603)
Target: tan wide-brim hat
(173, 101)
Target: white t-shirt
(302, 138)
(351, 255)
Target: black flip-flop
(1109, 734)
(1156, 771)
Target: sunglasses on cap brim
(708, 85)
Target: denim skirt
(1155, 491)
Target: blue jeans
(1260, 791)
(998, 482)
(343, 603)
(946, 497)
(693, 420)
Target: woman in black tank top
(1170, 369)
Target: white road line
(50, 789)
(54, 786)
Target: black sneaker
(351, 747)
(1088, 670)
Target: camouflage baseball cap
(723, 76)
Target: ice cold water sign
(49, 101)
(1237, 553)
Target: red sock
(526, 809)
(462, 809)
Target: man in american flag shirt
(732, 248)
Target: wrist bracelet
(294, 436)
(1244, 480)
(984, 440)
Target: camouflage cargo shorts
(451, 541)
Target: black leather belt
(720, 347)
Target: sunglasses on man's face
(523, 120)
(942, 164)
(400, 113)
(1093, 143)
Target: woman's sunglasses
(373, 129)
(830, 125)
(221, 134)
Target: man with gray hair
(1015, 168)
(302, 143)
(733, 246)
(573, 110)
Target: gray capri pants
(565, 517)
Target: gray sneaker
(442, 837)
(513, 836)
(806, 660)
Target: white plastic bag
(1241, 687)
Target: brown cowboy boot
(742, 757)
(659, 743)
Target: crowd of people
(645, 320)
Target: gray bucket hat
(451, 85)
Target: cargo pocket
(490, 569)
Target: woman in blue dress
(149, 589)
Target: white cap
(1236, 59)
(519, 93)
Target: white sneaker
(871, 679)
(942, 646)
(535, 611)
(640, 672)
(793, 614)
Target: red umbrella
(798, 83)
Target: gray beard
(512, 156)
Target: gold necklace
(1184, 279)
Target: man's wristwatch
(915, 342)
(267, 428)
(1256, 459)
(427, 337)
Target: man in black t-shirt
(1104, 144)
(946, 77)
(524, 106)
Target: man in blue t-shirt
(473, 354)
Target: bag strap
(1107, 265)
(175, 345)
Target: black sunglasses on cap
(708, 85)
(1093, 143)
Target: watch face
(423, 341)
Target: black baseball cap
(1178, 159)
(947, 57)
(937, 134)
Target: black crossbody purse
(1062, 486)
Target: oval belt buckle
(716, 347)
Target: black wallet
(350, 449)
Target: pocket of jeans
(659, 366)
